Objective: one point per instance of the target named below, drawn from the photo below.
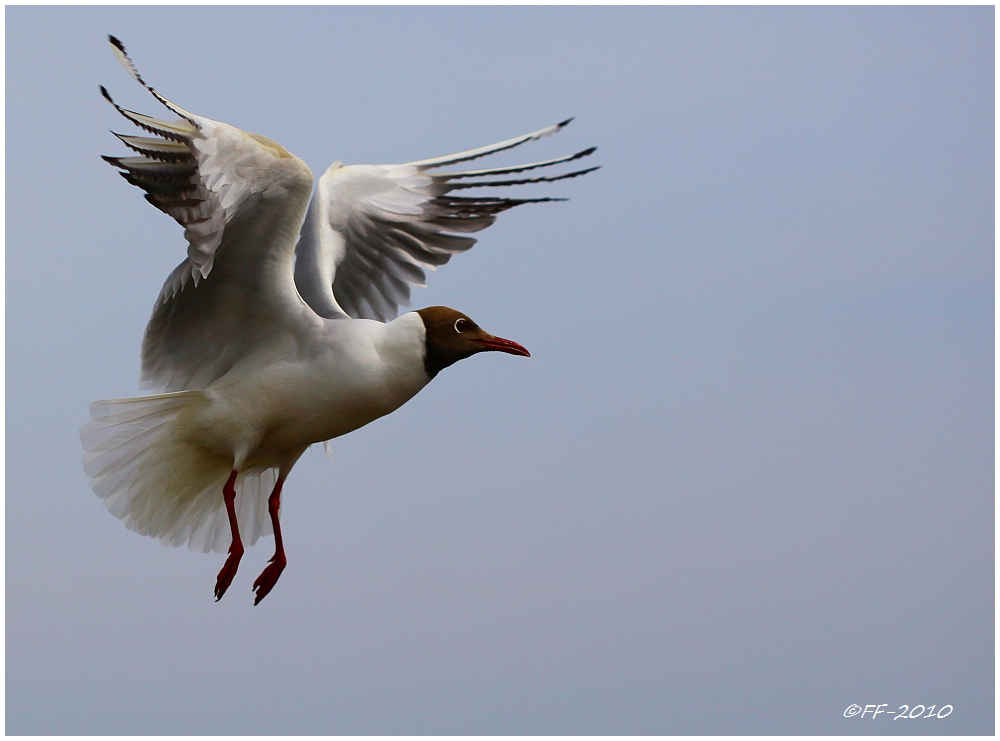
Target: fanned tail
(162, 486)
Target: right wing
(372, 230)
(241, 199)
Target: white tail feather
(162, 486)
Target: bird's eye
(460, 325)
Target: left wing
(372, 230)
(241, 199)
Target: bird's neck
(403, 349)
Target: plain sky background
(745, 480)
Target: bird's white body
(258, 419)
(263, 415)
(277, 330)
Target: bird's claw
(225, 577)
(268, 578)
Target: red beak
(499, 344)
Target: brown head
(452, 336)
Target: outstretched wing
(372, 230)
(241, 199)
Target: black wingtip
(587, 152)
(566, 122)
(106, 94)
(114, 40)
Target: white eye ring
(457, 322)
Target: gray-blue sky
(745, 480)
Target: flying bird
(279, 328)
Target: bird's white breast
(358, 371)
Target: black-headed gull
(278, 331)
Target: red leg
(236, 549)
(269, 577)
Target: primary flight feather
(279, 328)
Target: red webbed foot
(268, 578)
(228, 572)
(236, 549)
